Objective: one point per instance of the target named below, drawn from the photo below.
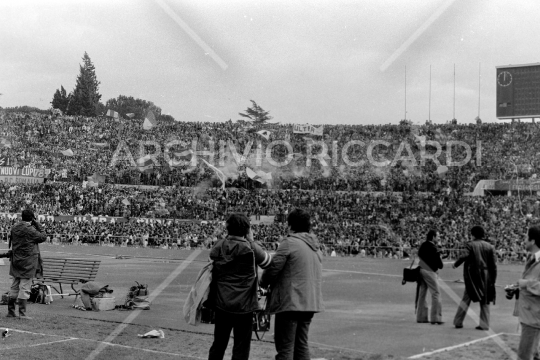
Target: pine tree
(60, 100)
(256, 114)
(84, 100)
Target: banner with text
(308, 129)
(5, 161)
(23, 175)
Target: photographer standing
(233, 292)
(295, 281)
(25, 261)
(528, 294)
(430, 263)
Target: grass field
(369, 314)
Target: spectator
(234, 287)
(295, 281)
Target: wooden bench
(68, 271)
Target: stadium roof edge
(517, 65)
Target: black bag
(410, 274)
(138, 290)
(208, 316)
(38, 293)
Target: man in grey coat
(25, 261)
(295, 281)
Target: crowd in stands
(365, 210)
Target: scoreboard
(518, 91)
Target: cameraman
(528, 293)
(233, 292)
(25, 260)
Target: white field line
(183, 265)
(35, 333)
(92, 340)
(34, 345)
(331, 347)
(362, 273)
(147, 350)
(378, 274)
(470, 313)
(454, 346)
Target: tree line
(85, 98)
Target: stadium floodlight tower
(518, 91)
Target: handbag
(410, 274)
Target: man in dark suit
(25, 261)
(479, 274)
(430, 263)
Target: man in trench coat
(479, 274)
(25, 261)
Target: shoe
(22, 310)
(422, 322)
(481, 328)
(437, 322)
(11, 307)
(459, 326)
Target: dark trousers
(241, 324)
(462, 312)
(291, 335)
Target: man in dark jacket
(430, 263)
(295, 281)
(25, 261)
(234, 287)
(479, 274)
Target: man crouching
(25, 260)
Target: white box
(103, 304)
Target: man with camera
(527, 293)
(430, 263)
(25, 261)
(295, 281)
(233, 291)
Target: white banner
(24, 175)
(308, 129)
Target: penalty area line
(332, 347)
(362, 273)
(418, 356)
(92, 340)
(136, 313)
(39, 344)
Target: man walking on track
(479, 274)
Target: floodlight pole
(454, 111)
(429, 109)
(479, 81)
(405, 115)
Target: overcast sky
(310, 61)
